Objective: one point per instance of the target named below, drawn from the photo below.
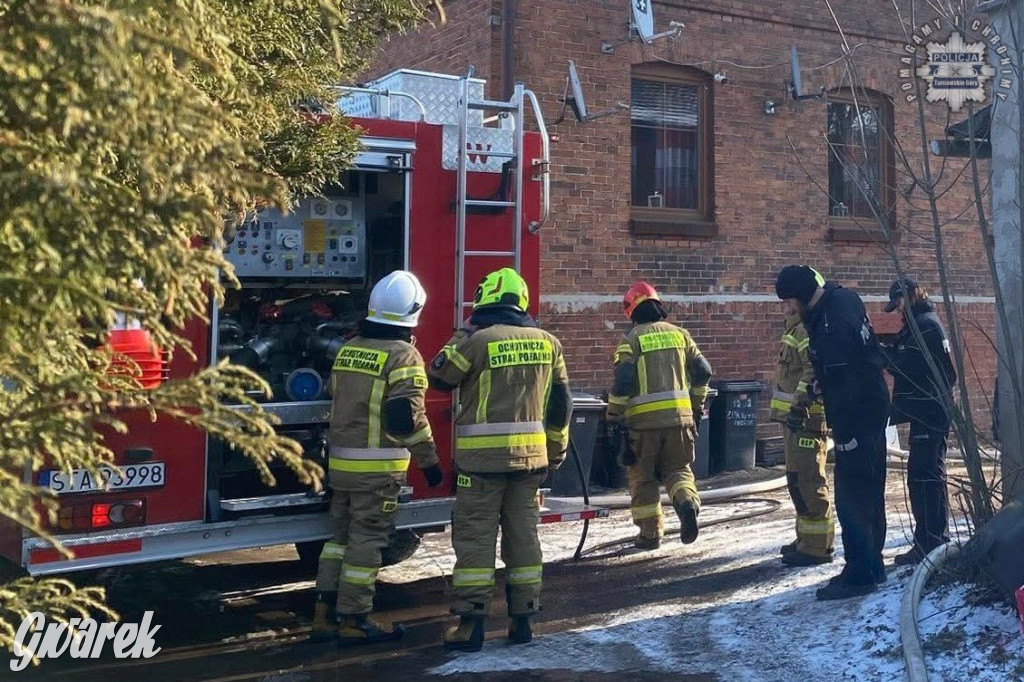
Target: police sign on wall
(643, 18)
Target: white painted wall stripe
(575, 303)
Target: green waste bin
(733, 442)
(587, 411)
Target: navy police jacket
(917, 395)
(848, 364)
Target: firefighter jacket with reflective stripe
(505, 375)
(794, 375)
(664, 393)
(365, 450)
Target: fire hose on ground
(716, 496)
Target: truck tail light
(101, 515)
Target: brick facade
(768, 170)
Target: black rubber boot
(838, 588)
(687, 512)
(788, 549)
(468, 635)
(519, 630)
(804, 559)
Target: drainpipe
(509, 13)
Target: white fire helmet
(397, 300)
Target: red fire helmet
(637, 294)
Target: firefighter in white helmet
(378, 421)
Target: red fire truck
(447, 184)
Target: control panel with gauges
(323, 237)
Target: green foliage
(133, 134)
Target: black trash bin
(586, 414)
(733, 442)
(702, 460)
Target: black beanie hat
(799, 282)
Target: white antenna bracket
(675, 28)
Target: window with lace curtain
(671, 165)
(860, 164)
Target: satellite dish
(796, 84)
(643, 19)
(575, 97)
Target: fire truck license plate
(148, 475)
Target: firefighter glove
(434, 475)
(620, 441)
(796, 419)
(698, 417)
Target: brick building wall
(769, 171)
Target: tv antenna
(643, 23)
(573, 97)
(796, 85)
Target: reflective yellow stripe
(483, 396)
(801, 387)
(681, 485)
(781, 405)
(557, 435)
(618, 400)
(803, 344)
(661, 341)
(624, 349)
(525, 575)
(420, 436)
(358, 575)
(817, 408)
(790, 340)
(814, 526)
(457, 358)
(408, 373)
(470, 577)
(376, 398)
(332, 551)
(369, 466)
(362, 360)
(511, 440)
(641, 373)
(658, 405)
(515, 352)
(646, 512)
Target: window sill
(864, 231)
(672, 226)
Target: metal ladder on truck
(515, 110)
(553, 510)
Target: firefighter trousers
(363, 522)
(860, 506)
(926, 479)
(483, 503)
(665, 456)
(808, 488)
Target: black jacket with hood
(848, 364)
(917, 394)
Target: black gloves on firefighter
(698, 417)
(618, 438)
(796, 418)
(434, 475)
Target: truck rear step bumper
(180, 540)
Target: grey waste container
(586, 414)
(702, 459)
(734, 425)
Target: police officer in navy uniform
(921, 398)
(848, 364)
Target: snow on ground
(980, 642)
(772, 630)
